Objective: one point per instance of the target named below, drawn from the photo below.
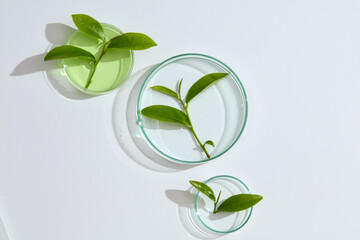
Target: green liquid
(113, 69)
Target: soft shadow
(183, 198)
(33, 64)
(127, 130)
(58, 81)
(57, 34)
(155, 124)
(199, 149)
(187, 215)
(220, 215)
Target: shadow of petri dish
(187, 215)
(127, 131)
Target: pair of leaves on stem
(126, 41)
(169, 114)
(234, 203)
(92, 28)
(199, 86)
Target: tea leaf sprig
(92, 28)
(234, 203)
(169, 114)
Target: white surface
(3, 235)
(66, 173)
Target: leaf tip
(192, 182)
(142, 111)
(209, 142)
(74, 16)
(153, 44)
(259, 197)
(79, 15)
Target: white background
(70, 167)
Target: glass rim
(200, 56)
(105, 91)
(197, 195)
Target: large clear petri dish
(218, 113)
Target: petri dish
(222, 222)
(112, 71)
(218, 113)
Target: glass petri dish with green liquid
(112, 71)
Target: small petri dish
(221, 222)
(218, 113)
(112, 71)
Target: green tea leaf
(203, 83)
(132, 41)
(166, 114)
(204, 188)
(179, 88)
(218, 198)
(88, 25)
(239, 202)
(165, 90)
(209, 142)
(67, 51)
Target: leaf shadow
(56, 34)
(33, 64)
(183, 198)
(197, 147)
(220, 215)
(150, 123)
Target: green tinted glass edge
(105, 25)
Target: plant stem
(192, 128)
(215, 203)
(89, 81)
